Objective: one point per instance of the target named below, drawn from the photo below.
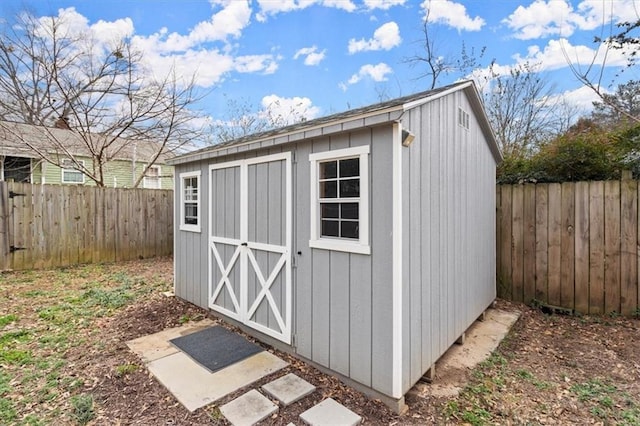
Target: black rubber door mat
(216, 347)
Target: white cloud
(384, 38)
(383, 4)
(376, 73)
(582, 98)
(289, 110)
(273, 7)
(451, 13)
(234, 16)
(311, 54)
(558, 17)
(267, 64)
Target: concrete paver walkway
(192, 384)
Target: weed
(7, 411)
(83, 410)
(524, 374)
(476, 416)
(7, 319)
(124, 369)
(215, 414)
(16, 357)
(110, 299)
(591, 390)
(15, 336)
(184, 319)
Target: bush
(585, 153)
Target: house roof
(368, 116)
(15, 139)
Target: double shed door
(250, 243)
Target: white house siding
(449, 231)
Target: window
(152, 178)
(70, 172)
(190, 201)
(340, 200)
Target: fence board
(65, 225)
(529, 251)
(567, 246)
(542, 229)
(612, 247)
(596, 247)
(504, 279)
(628, 246)
(582, 248)
(517, 245)
(555, 242)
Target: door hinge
(13, 249)
(293, 157)
(15, 194)
(294, 261)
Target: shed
(362, 242)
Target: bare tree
(522, 110)
(100, 92)
(242, 119)
(623, 37)
(434, 64)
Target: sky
(318, 57)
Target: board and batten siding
(343, 300)
(448, 231)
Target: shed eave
(348, 124)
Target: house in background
(363, 242)
(21, 163)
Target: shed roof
(367, 116)
(15, 136)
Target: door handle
(244, 244)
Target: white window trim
(65, 169)
(184, 226)
(159, 177)
(361, 245)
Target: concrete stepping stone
(330, 412)
(289, 389)
(248, 409)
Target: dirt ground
(549, 370)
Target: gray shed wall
(448, 231)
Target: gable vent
(463, 118)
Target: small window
(463, 118)
(339, 188)
(70, 172)
(190, 201)
(152, 178)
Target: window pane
(329, 170)
(349, 229)
(349, 210)
(329, 189)
(349, 188)
(329, 228)
(191, 214)
(329, 210)
(72, 176)
(350, 167)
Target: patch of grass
(529, 377)
(15, 357)
(477, 416)
(8, 413)
(82, 408)
(7, 319)
(124, 369)
(15, 336)
(110, 299)
(593, 389)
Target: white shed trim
(397, 261)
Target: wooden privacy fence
(573, 245)
(43, 226)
